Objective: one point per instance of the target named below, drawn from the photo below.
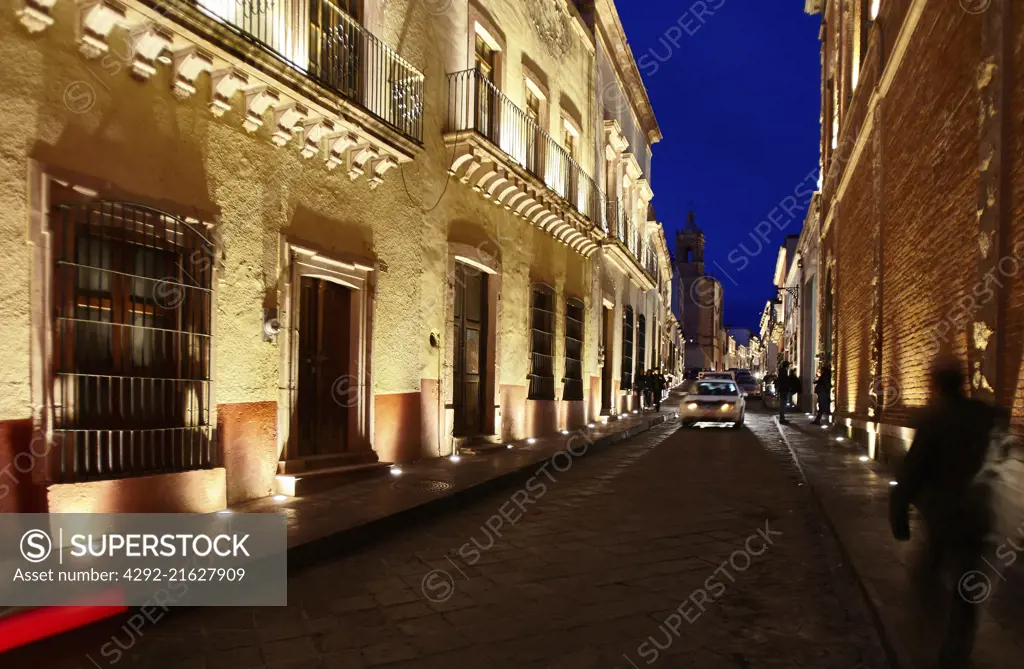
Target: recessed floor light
(894, 482)
(508, 445)
(591, 425)
(224, 512)
(531, 440)
(863, 458)
(839, 438)
(280, 498)
(454, 458)
(396, 471)
(565, 431)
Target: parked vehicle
(747, 383)
(714, 401)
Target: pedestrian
(940, 476)
(659, 389)
(794, 386)
(649, 389)
(782, 390)
(823, 391)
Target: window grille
(542, 344)
(627, 349)
(132, 342)
(641, 346)
(573, 351)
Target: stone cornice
(271, 97)
(625, 64)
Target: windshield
(716, 388)
(744, 377)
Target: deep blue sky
(738, 102)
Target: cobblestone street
(679, 548)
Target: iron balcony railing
(476, 104)
(651, 262)
(619, 223)
(324, 43)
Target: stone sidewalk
(349, 514)
(854, 494)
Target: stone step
(308, 482)
(315, 462)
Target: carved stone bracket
(96, 20)
(257, 101)
(313, 135)
(35, 14)
(149, 44)
(358, 159)
(379, 168)
(224, 84)
(286, 121)
(189, 63)
(337, 148)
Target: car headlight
(692, 406)
(726, 407)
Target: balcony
(305, 72)
(511, 160)
(320, 41)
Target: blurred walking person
(782, 390)
(794, 388)
(823, 391)
(940, 476)
(658, 382)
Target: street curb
(351, 539)
(896, 653)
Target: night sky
(738, 103)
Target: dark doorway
(327, 388)
(606, 370)
(470, 338)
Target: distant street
(688, 548)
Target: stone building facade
(921, 241)
(247, 244)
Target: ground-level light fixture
(824, 427)
(531, 440)
(455, 458)
(508, 445)
(280, 498)
(565, 431)
(863, 458)
(396, 471)
(224, 512)
(894, 482)
(591, 425)
(839, 438)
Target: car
(730, 376)
(748, 384)
(714, 401)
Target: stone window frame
(481, 24)
(300, 259)
(41, 177)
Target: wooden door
(606, 370)
(470, 338)
(327, 386)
